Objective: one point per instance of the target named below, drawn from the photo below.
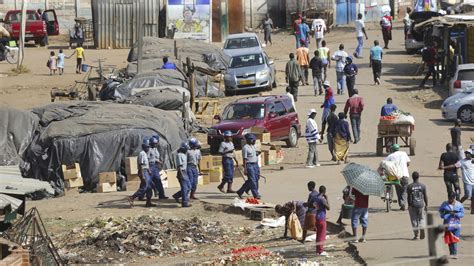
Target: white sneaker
(309, 166)
(324, 254)
(318, 165)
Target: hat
(250, 137)
(312, 111)
(349, 58)
(184, 145)
(395, 147)
(146, 143)
(327, 83)
(193, 142)
(155, 139)
(470, 151)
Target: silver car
(235, 43)
(250, 69)
(459, 106)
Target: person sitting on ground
(290, 207)
(388, 108)
(168, 65)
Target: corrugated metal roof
(6, 200)
(11, 182)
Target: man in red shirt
(360, 212)
(429, 54)
(355, 106)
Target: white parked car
(460, 106)
(462, 79)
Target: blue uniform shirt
(181, 160)
(249, 153)
(142, 160)
(193, 156)
(350, 69)
(153, 155)
(376, 53)
(388, 109)
(169, 65)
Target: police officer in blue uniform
(350, 71)
(250, 156)
(181, 164)
(192, 169)
(145, 176)
(155, 162)
(226, 149)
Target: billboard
(191, 19)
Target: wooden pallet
(206, 108)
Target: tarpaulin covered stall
(98, 135)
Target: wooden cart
(389, 134)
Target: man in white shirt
(360, 33)
(467, 168)
(340, 58)
(402, 160)
(312, 136)
(318, 27)
(288, 93)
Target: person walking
(402, 160)
(302, 55)
(429, 55)
(350, 71)
(467, 170)
(267, 29)
(183, 178)
(342, 139)
(456, 138)
(328, 99)
(316, 65)
(318, 27)
(192, 169)
(80, 57)
(61, 57)
(296, 28)
(312, 136)
(52, 63)
(386, 24)
(376, 53)
(360, 33)
(388, 108)
(252, 170)
(354, 106)
(304, 33)
(340, 58)
(288, 93)
(226, 150)
(293, 75)
(451, 211)
(360, 213)
(449, 163)
(44, 17)
(417, 206)
(145, 176)
(155, 162)
(167, 64)
(325, 55)
(288, 208)
(311, 205)
(330, 121)
(322, 204)
(407, 22)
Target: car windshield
(467, 74)
(246, 60)
(239, 43)
(244, 111)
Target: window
(467, 74)
(277, 108)
(244, 111)
(246, 60)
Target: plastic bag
(295, 227)
(393, 170)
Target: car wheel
(229, 93)
(465, 113)
(411, 51)
(292, 140)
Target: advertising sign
(190, 18)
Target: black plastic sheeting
(99, 136)
(16, 131)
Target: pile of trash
(107, 239)
(252, 254)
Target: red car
(36, 28)
(275, 114)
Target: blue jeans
(360, 45)
(145, 190)
(185, 185)
(453, 249)
(468, 190)
(228, 167)
(156, 179)
(298, 41)
(355, 124)
(361, 214)
(253, 174)
(340, 81)
(193, 176)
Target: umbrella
(364, 179)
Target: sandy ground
(389, 233)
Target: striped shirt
(312, 134)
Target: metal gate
(345, 11)
(123, 18)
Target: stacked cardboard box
(261, 135)
(210, 161)
(107, 182)
(131, 169)
(172, 178)
(270, 157)
(72, 176)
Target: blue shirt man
(376, 53)
(168, 65)
(388, 108)
(375, 62)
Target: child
(61, 57)
(52, 64)
(80, 57)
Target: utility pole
(433, 233)
(141, 22)
(22, 34)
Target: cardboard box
(133, 185)
(270, 157)
(131, 177)
(74, 182)
(107, 177)
(264, 137)
(71, 191)
(200, 180)
(210, 161)
(106, 187)
(131, 165)
(257, 130)
(164, 179)
(279, 156)
(172, 178)
(215, 174)
(206, 179)
(238, 157)
(75, 166)
(71, 174)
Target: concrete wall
(255, 11)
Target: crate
(106, 187)
(107, 177)
(131, 166)
(215, 174)
(71, 191)
(210, 161)
(206, 179)
(71, 171)
(270, 157)
(74, 182)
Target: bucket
(84, 67)
(347, 211)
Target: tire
(465, 113)
(274, 84)
(379, 149)
(411, 51)
(292, 140)
(229, 93)
(412, 146)
(11, 57)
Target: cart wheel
(379, 150)
(412, 146)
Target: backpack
(426, 54)
(48, 63)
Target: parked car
(275, 114)
(459, 106)
(462, 79)
(249, 69)
(235, 42)
(36, 28)
(415, 39)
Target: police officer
(181, 164)
(145, 176)
(350, 71)
(226, 149)
(155, 162)
(249, 154)
(193, 157)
